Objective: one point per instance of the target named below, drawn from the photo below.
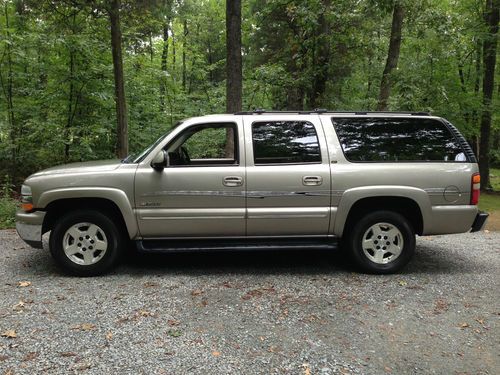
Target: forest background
(97, 79)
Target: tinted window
(281, 142)
(393, 139)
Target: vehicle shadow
(239, 262)
(431, 258)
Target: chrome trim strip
(238, 194)
(288, 212)
(191, 213)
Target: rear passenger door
(288, 176)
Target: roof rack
(326, 111)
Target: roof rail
(259, 111)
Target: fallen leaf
(24, 284)
(30, 356)
(486, 231)
(197, 292)
(83, 367)
(480, 321)
(402, 283)
(307, 369)
(67, 354)
(9, 372)
(440, 306)
(150, 284)
(173, 323)
(109, 336)
(216, 354)
(145, 313)
(464, 325)
(19, 306)
(252, 293)
(10, 334)
(387, 369)
(174, 332)
(84, 327)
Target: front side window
(205, 144)
(285, 142)
(396, 139)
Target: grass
(7, 212)
(495, 179)
(489, 202)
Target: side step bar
(156, 246)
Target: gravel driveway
(255, 313)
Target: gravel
(286, 312)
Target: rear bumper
(29, 227)
(479, 222)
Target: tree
(392, 55)
(489, 62)
(120, 100)
(234, 77)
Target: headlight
(26, 198)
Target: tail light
(475, 188)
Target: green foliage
(57, 91)
(8, 205)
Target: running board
(156, 246)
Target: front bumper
(29, 227)
(479, 222)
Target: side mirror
(160, 161)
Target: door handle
(312, 180)
(232, 181)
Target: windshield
(138, 156)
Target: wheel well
(60, 207)
(404, 206)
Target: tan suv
(292, 180)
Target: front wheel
(381, 242)
(86, 243)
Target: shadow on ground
(430, 258)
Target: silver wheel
(382, 243)
(85, 243)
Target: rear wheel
(381, 242)
(86, 243)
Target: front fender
(351, 196)
(116, 196)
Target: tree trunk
(392, 56)
(173, 49)
(234, 80)
(164, 59)
(151, 49)
(184, 46)
(477, 85)
(121, 105)
(67, 128)
(321, 57)
(8, 92)
(489, 61)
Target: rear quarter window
(397, 139)
(285, 142)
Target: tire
(381, 242)
(86, 243)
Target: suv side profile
(368, 180)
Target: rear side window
(396, 139)
(285, 142)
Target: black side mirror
(160, 161)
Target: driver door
(201, 192)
